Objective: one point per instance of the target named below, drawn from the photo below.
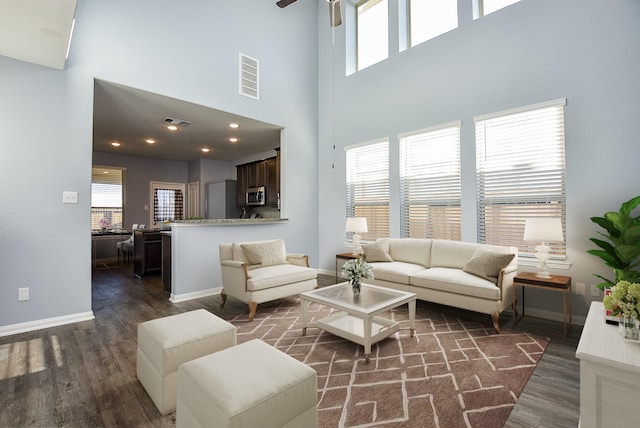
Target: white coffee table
(357, 318)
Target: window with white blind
(167, 200)
(429, 19)
(372, 32)
(520, 159)
(368, 187)
(430, 183)
(107, 187)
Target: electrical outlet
(595, 291)
(580, 288)
(23, 294)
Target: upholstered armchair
(261, 271)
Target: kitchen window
(167, 202)
(107, 196)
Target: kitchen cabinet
(257, 174)
(147, 252)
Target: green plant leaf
(628, 253)
(606, 224)
(604, 245)
(631, 235)
(608, 259)
(627, 207)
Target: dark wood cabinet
(256, 174)
(147, 252)
(166, 262)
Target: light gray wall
(182, 49)
(532, 51)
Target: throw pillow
(265, 253)
(487, 264)
(377, 251)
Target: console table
(609, 374)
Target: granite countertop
(228, 221)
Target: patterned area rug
(452, 373)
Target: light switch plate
(69, 197)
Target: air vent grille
(249, 78)
(177, 122)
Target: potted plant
(622, 251)
(356, 269)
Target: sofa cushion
(487, 264)
(451, 254)
(238, 253)
(455, 280)
(261, 277)
(395, 271)
(410, 250)
(377, 251)
(266, 253)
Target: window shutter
(520, 173)
(368, 187)
(430, 183)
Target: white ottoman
(165, 343)
(249, 385)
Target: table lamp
(356, 225)
(543, 229)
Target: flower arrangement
(104, 224)
(624, 300)
(356, 269)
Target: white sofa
(476, 277)
(261, 271)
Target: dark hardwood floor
(84, 374)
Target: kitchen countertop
(228, 222)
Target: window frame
(479, 8)
(545, 178)
(410, 23)
(155, 185)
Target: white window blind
(368, 187)
(107, 186)
(372, 32)
(429, 19)
(430, 183)
(520, 159)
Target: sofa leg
(223, 296)
(253, 306)
(495, 317)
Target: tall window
(368, 187)
(485, 7)
(106, 197)
(520, 173)
(429, 19)
(430, 183)
(372, 32)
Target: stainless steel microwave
(255, 196)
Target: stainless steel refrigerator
(221, 200)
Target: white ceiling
(38, 31)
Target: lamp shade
(356, 224)
(543, 229)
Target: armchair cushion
(267, 253)
(261, 278)
(487, 264)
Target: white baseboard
(8, 330)
(177, 298)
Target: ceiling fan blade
(335, 13)
(284, 3)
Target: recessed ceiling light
(233, 139)
(234, 125)
(206, 150)
(150, 141)
(172, 127)
(115, 144)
